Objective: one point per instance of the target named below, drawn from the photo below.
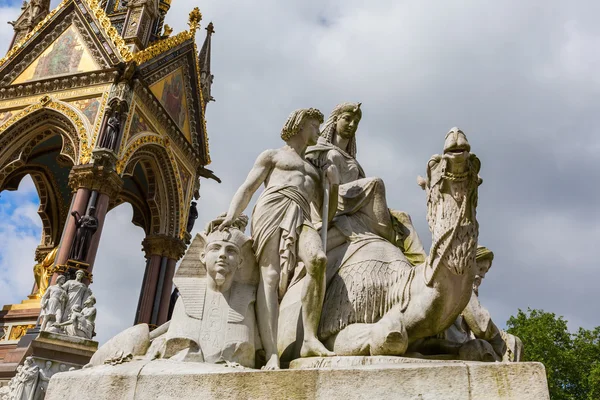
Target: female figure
(77, 291)
(362, 205)
(89, 315)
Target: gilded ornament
(194, 20)
(161, 47)
(110, 30)
(18, 331)
(42, 273)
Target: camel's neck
(452, 202)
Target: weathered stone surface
(165, 379)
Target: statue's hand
(227, 222)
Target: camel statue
(376, 302)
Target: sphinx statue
(214, 317)
(378, 302)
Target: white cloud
(18, 242)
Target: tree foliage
(572, 361)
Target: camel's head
(456, 151)
(451, 186)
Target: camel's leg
(310, 251)
(386, 337)
(389, 337)
(353, 340)
(267, 301)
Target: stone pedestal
(73, 352)
(166, 379)
(69, 350)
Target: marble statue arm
(259, 173)
(77, 218)
(332, 174)
(70, 321)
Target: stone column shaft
(144, 313)
(167, 289)
(101, 210)
(163, 251)
(78, 204)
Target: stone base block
(166, 379)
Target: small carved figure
(192, 217)
(25, 382)
(111, 132)
(283, 232)
(76, 324)
(86, 227)
(43, 380)
(53, 303)
(89, 313)
(77, 292)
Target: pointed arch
(150, 154)
(36, 123)
(53, 209)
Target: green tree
(572, 361)
(594, 382)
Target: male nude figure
(283, 233)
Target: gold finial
(194, 21)
(167, 31)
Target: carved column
(78, 203)
(162, 252)
(94, 185)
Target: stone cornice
(50, 85)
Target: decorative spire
(32, 13)
(206, 78)
(194, 21)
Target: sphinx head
(222, 256)
(484, 258)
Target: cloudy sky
(519, 78)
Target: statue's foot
(272, 364)
(314, 348)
